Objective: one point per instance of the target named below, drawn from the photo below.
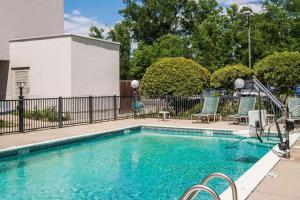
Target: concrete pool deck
(283, 186)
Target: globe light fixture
(239, 83)
(134, 84)
(247, 12)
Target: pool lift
(284, 144)
(259, 128)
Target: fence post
(91, 109)
(21, 113)
(115, 107)
(60, 112)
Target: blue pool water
(146, 164)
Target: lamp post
(21, 86)
(247, 13)
(135, 84)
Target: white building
(64, 65)
(34, 49)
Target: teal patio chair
(209, 109)
(246, 104)
(294, 108)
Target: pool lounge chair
(209, 109)
(246, 104)
(294, 108)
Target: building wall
(95, 67)
(4, 67)
(49, 62)
(27, 18)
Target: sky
(81, 14)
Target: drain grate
(272, 174)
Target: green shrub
(2, 124)
(5, 124)
(174, 76)
(224, 78)
(280, 70)
(187, 114)
(49, 114)
(228, 108)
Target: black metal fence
(31, 114)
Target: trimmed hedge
(174, 76)
(224, 78)
(280, 70)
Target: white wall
(66, 65)
(95, 67)
(49, 61)
(27, 18)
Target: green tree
(224, 78)
(166, 46)
(209, 43)
(280, 70)
(121, 33)
(152, 19)
(174, 76)
(96, 32)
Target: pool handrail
(191, 192)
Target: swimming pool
(141, 163)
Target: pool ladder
(192, 192)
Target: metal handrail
(259, 86)
(226, 178)
(190, 195)
(274, 123)
(191, 192)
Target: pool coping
(245, 184)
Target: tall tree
(209, 43)
(166, 46)
(96, 32)
(121, 33)
(152, 19)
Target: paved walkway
(284, 186)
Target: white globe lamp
(239, 83)
(134, 84)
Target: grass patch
(5, 124)
(2, 124)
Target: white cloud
(76, 12)
(76, 23)
(255, 5)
